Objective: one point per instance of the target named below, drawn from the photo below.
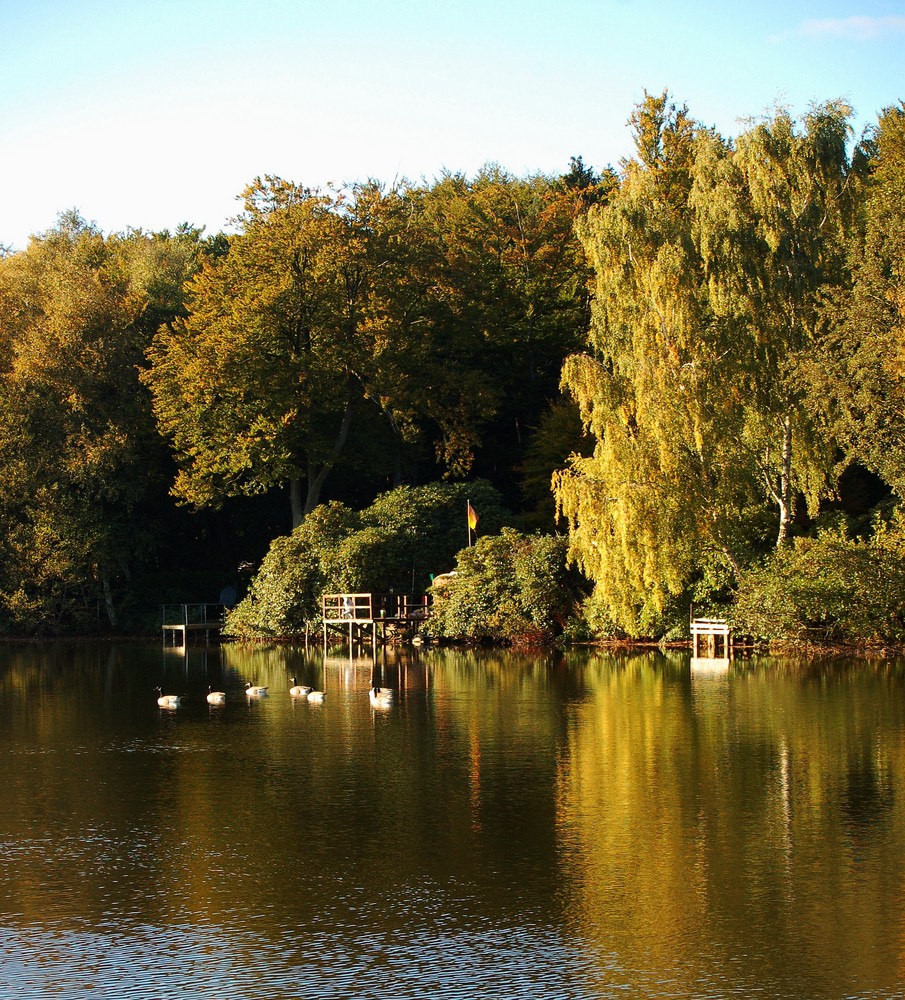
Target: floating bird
(299, 690)
(315, 696)
(216, 697)
(381, 696)
(167, 700)
(255, 691)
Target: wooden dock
(182, 623)
(356, 615)
(711, 639)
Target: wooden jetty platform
(711, 639)
(355, 615)
(184, 622)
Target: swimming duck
(216, 697)
(316, 696)
(299, 690)
(168, 700)
(255, 691)
(381, 696)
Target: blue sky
(150, 113)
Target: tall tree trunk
(108, 601)
(784, 497)
(295, 501)
(317, 474)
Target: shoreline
(740, 651)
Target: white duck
(216, 697)
(168, 700)
(381, 696)
(299, 690)
(316, 696)
(255, 691)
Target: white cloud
(855, 28)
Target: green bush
(397, 544)
(284, 596)
(508, 587)
(828, 588)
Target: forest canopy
(689, 367)
(733, 372)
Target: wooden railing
(714, 633)
(183, 620)
(210, 615)
(375, 607)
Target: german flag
(472, 517)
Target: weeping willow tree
(770, 223)
(708, 263)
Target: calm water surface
(585, 826)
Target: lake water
(578, 826)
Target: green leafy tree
(587, 187)
(559, 434)
(432, 520)
(314, 320)
(709, 264)
(77, 439)
(507, 297)
(255, 386)
(641, 508)
(770, 222)
(855, 378)
(284, 597)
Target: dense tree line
(84, 470)
(370, 327)
(160, 390)
(744, 358)
(702, 351)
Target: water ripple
(508, 833)
(212, 962)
